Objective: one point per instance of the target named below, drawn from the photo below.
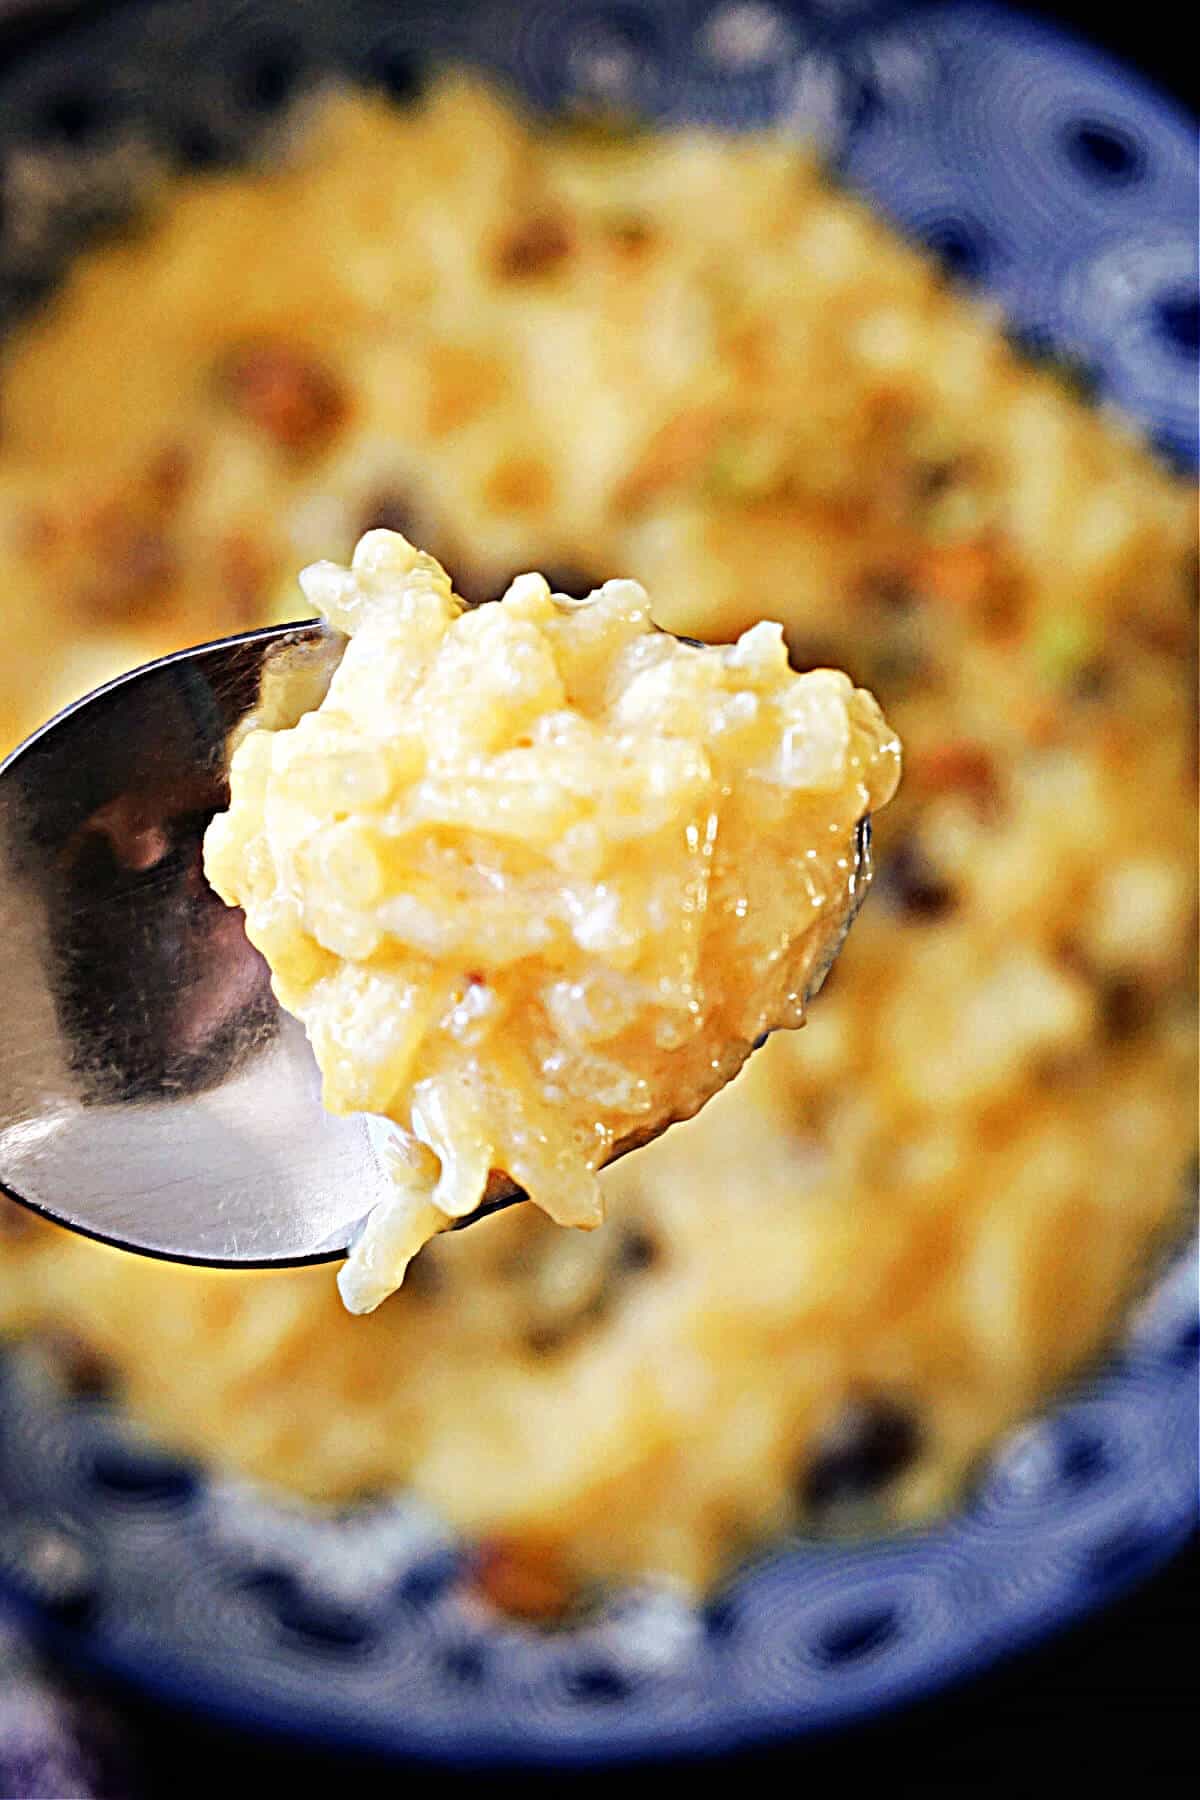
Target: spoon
(153, 1093)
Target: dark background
(1110, 1702)
(1150, 34)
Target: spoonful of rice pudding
(534, 877)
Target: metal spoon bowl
(153, 1094)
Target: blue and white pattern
(1065, 189)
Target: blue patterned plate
(1064, 187)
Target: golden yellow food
(692, 361)
(536, 877)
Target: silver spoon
(152, 1092)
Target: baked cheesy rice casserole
(691, 361)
